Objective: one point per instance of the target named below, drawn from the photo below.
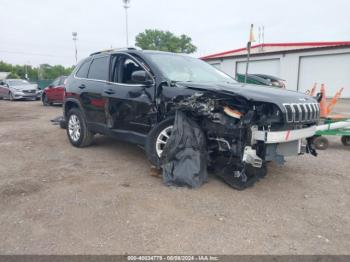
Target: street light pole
(126, 6)
(26, 69)
(75, 35)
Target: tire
(160, 131)
(45, 101)
(78, 133)
(345, 140)
(11, 97)
(320, 142)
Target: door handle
(82, 86)
(109, 91)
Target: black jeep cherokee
(132, 95)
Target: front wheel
(157, 139)
(45, 100)
(320, 142)
(78, 133)
(345, 140)
(11, 96)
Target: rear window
(99, 68)
(63, 78)
(83, 70)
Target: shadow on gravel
(21, 188)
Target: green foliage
(13, 76)
(44, 71)
(165, 41)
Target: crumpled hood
(25, 87)
(253, 92)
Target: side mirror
(2, 83)
(141, 77)
(50, 86)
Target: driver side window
(123, 68)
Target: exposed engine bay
(238, 135)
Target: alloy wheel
(162, 140)
(74, 128)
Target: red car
(54, 93)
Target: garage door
(332, 70)
(267, 67)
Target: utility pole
(249, 45)
(126, 6)
(26, 72)
(75, 38)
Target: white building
(3, 75)
(300, 64)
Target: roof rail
(114, 49)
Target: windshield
(18, 82)
(181, 68)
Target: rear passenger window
(62, 79)
(56, 82)
(83, 70)
(99, 68)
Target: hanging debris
(184, 159)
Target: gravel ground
(105, 199)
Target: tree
(13, 76)
(46, 71)
(165, 41)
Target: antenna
(263, 36)
(260, 47)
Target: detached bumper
(273, 137)
(278, 144)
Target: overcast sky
(39, 31)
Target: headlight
(269, 113)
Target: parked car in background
(3, 89)
(261, 79)
(39, 93)
(16, 89)
(54, 93)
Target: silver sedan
(15, 89)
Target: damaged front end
(243, 135)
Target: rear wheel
(345, 140)
(320, 142)
(78, 133)
(157, 140)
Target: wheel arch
(69, 104)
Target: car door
(60, 89)
(3, 89)
(51, 92)
(130, 105)
(92, 89)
